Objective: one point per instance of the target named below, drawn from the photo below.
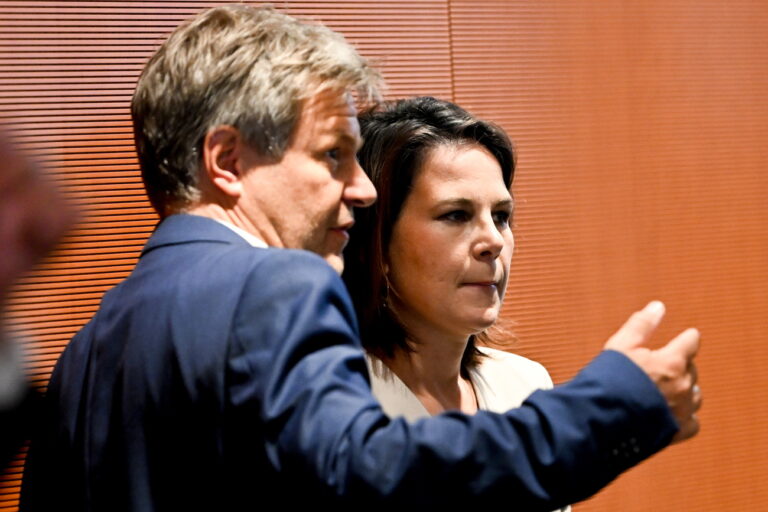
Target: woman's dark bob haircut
(398, 138)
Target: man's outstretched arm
(328, 432)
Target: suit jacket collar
(184, 228)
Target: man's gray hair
(234, 65)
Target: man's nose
(359, 191)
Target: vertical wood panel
(642, 130)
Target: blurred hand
(33, 214)
(671, 367)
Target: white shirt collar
(250, 238)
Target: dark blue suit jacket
(218, 375)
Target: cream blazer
(502, 381)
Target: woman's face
(452, 245)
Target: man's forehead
(329, 103)
(330, 112)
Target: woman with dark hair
(428, 264)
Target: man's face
(306, 198)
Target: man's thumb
(638, 329)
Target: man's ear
(222, 149)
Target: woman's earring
(385, 298)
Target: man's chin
(336, 261)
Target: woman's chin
(482, 324)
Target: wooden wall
(642, 133)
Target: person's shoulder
(499, 362)
(289, 276)
(289, 267)
(288, 297)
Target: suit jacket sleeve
(303, 372)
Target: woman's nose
(490, 241)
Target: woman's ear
(222, 148)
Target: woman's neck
(432, 371)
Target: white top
(502, 381)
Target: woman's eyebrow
(455, 201)
(464, 202)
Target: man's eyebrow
(346, 138)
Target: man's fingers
(682, 392)
(685, 344)
(684, 409)
(638, 329)
(671, 367)
(697, 398)
(688, 429)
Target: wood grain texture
(641, 130)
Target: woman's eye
(502, 217)
(456, 216)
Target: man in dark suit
(227, 370)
